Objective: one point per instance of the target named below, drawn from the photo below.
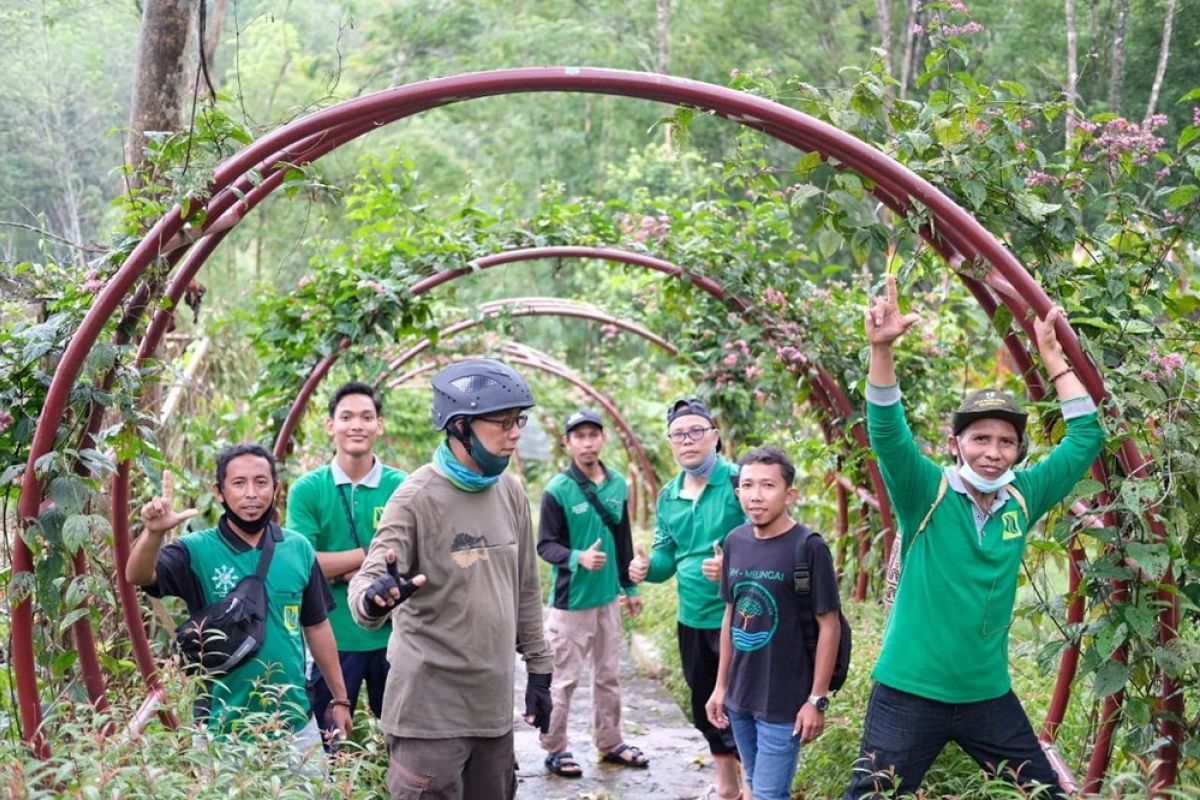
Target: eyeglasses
(692, 434)
(507, 423)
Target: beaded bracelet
(345, 703)
(1066, 371)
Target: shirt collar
(370, 480)
(577, 474)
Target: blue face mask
(705, 467)
(984, 484)
(489, 464)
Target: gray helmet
(475, 387)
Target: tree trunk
(906, 64)
(1072, 87)
(1117, 76)
(160, 83)
(1163, 53)
(883, 10)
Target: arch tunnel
(258, 169)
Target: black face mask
(250, 526)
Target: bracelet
(345, 703)
(1067, 371)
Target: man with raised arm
(337, 507)
(695, 512)
(203, 566)
(942, 673)
(585, 534)
(463, 521)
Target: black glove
(382, 587)
(537, 701)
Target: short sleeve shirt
(771, 673)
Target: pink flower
(917, 30)
(6, 419)
(774, 297)
(609, 330)
(730, 360)
(305, 281)
(1035, 178)
(1026, 123)
(1196, 115)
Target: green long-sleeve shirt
(684, 536)
(947, 639)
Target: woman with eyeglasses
(695, 512)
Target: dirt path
(680, 766)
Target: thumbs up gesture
(159, 515)
(711, 567)
(593, 558)
(640, 565)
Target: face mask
(489, 464)
(983, 484)
(250, 526)
(705, 467)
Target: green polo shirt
(947, 638)
(202, 567)
(569, 525)
(315, 510)
(683, 539)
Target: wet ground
(680, 766)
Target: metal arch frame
(952, 229)
(520, 353)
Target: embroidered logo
(579, 508)
(378, 514)
(223, 579)
(291, 618)
(1012, 525)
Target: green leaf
(1110, 678)
(69, 494)
(976, 192)
(1153, 558)
(75, 532)
(829, 242)
(1034, 208)
(71, 618)
(1188, 136)
(808, 163)
(1183, 195)
(1194, 94)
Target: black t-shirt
(771, 674)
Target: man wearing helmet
(942, 673)
(461, 526)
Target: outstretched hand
(885, 323)
(159, 514)
(389, 590)
(1047, 337)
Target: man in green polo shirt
(203, 566)
(942, 673)
(337, 507)
(584, 533)
(695, 512)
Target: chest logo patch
(466, 549)
(378, 515)
(579, 508)
(1012, 525)
(755, 616)
(223, 579)
(291, 618)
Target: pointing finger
(168, 487)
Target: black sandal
(564, 765)
(617, 756)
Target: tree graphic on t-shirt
(749, 608)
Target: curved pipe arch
(894, 184)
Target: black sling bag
(223, 635)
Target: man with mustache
(203, 566)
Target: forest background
(1069, 129)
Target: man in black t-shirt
(770, 688)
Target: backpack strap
(801, 577)
(1020, 498)
(268, 550)
(937, 501)
(589, 491)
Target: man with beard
(336, 507)
(464, 522)
(695, 512)
(203, 566)
(585, 535)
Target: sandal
(564, 765)
(626, 755)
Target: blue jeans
(769, 752)
(904, 733)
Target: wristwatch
(819, 702)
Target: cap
(989, 404)
(689, 405)
(581, 417)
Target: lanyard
(349, 515)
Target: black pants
(700, 652)
(369, 665)
(904, 733)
